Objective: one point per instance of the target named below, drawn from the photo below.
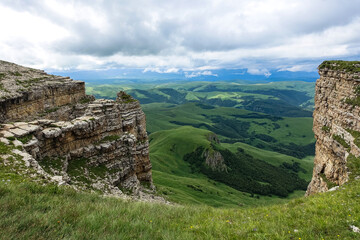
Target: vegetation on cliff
(339, 65)
(354, 101)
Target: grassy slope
(174, 179)
(30, 211)
(292, 130)
(172, 175)
(274, 158)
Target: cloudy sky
(195, 36)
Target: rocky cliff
(336, 125)
(52, 126)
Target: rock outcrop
(215, 160)
(336, 125)
(71, 137)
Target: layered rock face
(336, 125)
(73, 138)
(25, 92)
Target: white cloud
(297, 68)
(256, 71)
(169, 36)
(197, 74)
(158, 70)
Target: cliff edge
(336, 125)
(49, 125)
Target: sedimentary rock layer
(336, 124)
(99, 144)
(25, 92)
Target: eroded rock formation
(71, 137)
(336, 125)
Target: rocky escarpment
(25, 92)
(336, 125)
(213, 159)
(66, 136)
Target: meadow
(32, 211)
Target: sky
(191, 37)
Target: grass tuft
(356, 136)
(342, 141)
(25, 139)
(16, 74)
(328, 182)
(109, 138)
(326, 129)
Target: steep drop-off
(336, 125)
(68, 137)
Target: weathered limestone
(215, 160)
(336, 120)
(25, 92)
(77, 140)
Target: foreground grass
(31, 211)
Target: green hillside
(173, 176)
(176, 180)
(246, 173)
(31, 211)
(274, 158)
(290, 136)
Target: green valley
(265, 126)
